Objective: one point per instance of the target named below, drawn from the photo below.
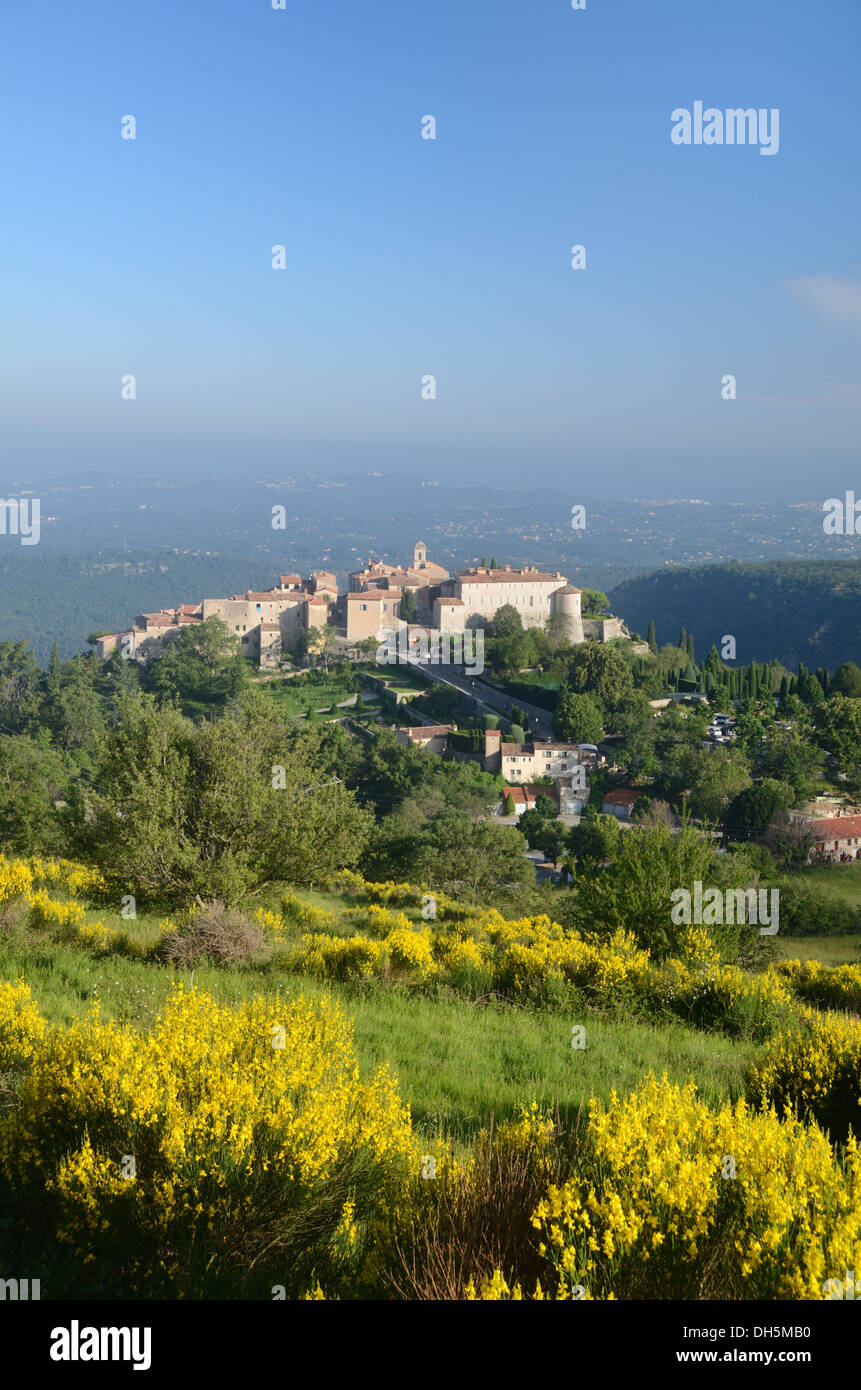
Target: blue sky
(301, 127)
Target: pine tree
(52, 675)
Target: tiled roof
(505, 577)
(520, 795)
(375, 594)
(624, 796)
(837, 828)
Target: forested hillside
(47, 598)
(794, 610)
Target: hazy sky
(257, 127)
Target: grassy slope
(459, 1063)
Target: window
(364, 607)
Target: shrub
(260, 1157)
(477, 1216)
(22, 1028)
(834, 987)
(656, 1211)
(808, 908)
(215, 933)
(814, 1070)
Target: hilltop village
(421, 598)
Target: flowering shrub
(834, 987)
(22, 1028)
(303, 914)
(349, 881)
(816, 1067)
(675, 1200)
(254, 1145)
(15, 878)
(342, 957)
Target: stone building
(474, 597)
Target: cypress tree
(683, 640)
(650, 637)
(690, 650)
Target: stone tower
(420, 555)
(567, 601)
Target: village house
(522, 761)
(434, 737)
(524, 798)
(837, 836)
(370, 612)
(620, 802)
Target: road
(488, 699)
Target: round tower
(567, 600)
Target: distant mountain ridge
(805, 611)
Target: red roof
(505, 576)
(837, 828)
(375, 595)
(624, 796)
(523, 796)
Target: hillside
(46, 598)
(796, 610)
(252, 1073)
